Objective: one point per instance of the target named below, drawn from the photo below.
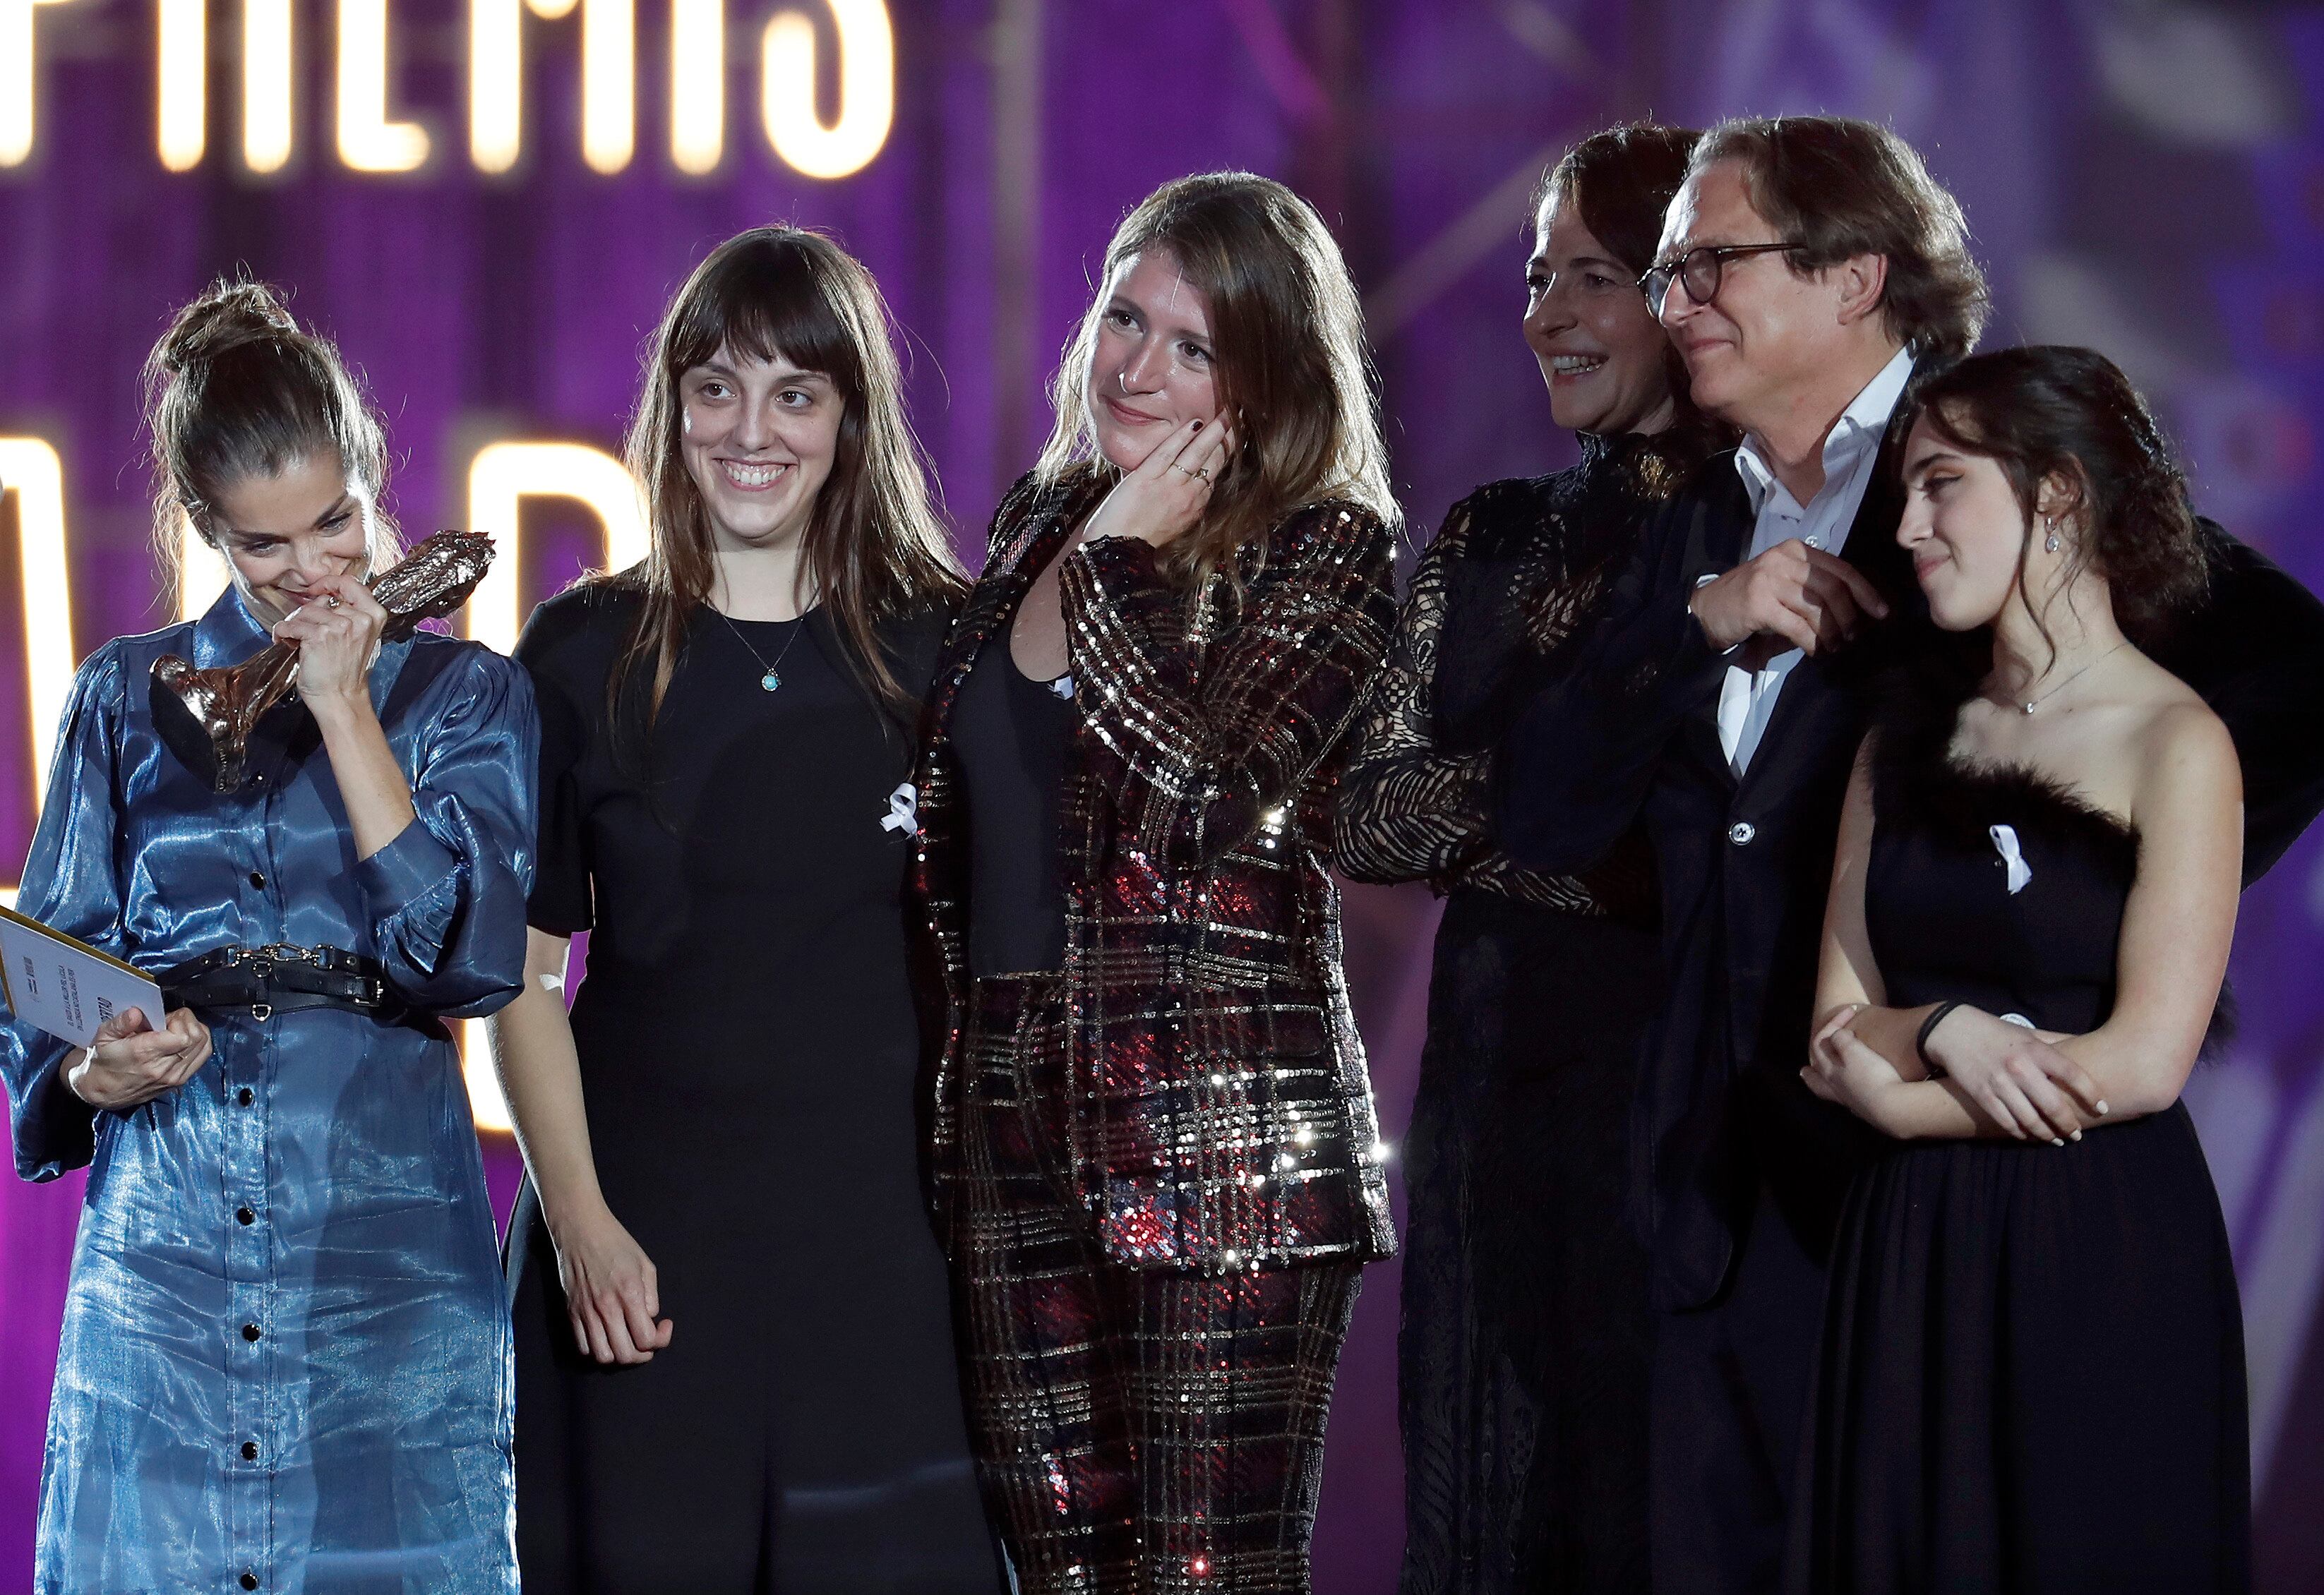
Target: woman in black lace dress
(1524, 1342)
(2032, 1371)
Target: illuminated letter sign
(368, 140)
(267, 84)
(202, 573)
(181, 62)
(371, 140)
(18, 78)
(698, 84)
(503, 476)
(30, 472)
(867, 89)
(609, 74)
(496, 81)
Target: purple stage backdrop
(2142, 175)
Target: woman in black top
(734, 1365)
(1524, 1351)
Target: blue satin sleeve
(71, 882)
(446, 897)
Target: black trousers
(1729, 1397)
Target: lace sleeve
(1409, 811)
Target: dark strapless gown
(2032, 1369)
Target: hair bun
(228, 316)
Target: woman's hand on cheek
(337, 632)
(1165, 496)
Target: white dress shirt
(1747, 700)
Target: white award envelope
(66, 987)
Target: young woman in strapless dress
(2032, 1369)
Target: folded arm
(2001, 1078)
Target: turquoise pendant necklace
(772, 677)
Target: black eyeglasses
(1700, 269)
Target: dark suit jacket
(1220, 1115)
(1629, 733)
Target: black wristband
(1928, 1029)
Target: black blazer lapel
(1873, 549)
(1721, 533)
(1717, 541)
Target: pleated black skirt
(2031, 1376)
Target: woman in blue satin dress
(285, 1362)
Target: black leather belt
(283, 979)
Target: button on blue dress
(285, 1362)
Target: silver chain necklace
(772, 679)
(2032, 703)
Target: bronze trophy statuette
(205, 716)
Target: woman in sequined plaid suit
(1154, 1150)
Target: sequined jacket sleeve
(447, 895)
(1196, 746)
(71, 883)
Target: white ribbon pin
(903, 809)
(2005, 842)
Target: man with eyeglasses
(1808, 265)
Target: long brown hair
(236, 389)
(1292, 365)
(873, 547)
